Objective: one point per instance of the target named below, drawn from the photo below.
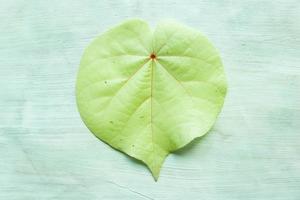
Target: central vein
(151, 99)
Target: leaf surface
(150, 93)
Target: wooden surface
(46, 152)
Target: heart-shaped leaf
(150, 93)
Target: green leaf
(150, 93)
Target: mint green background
(46, 152)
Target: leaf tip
(156, 164)
(155, 172)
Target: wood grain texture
(46, 152)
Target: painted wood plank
(253, 151)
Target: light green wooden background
(46, 152)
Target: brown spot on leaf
(152, 56)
